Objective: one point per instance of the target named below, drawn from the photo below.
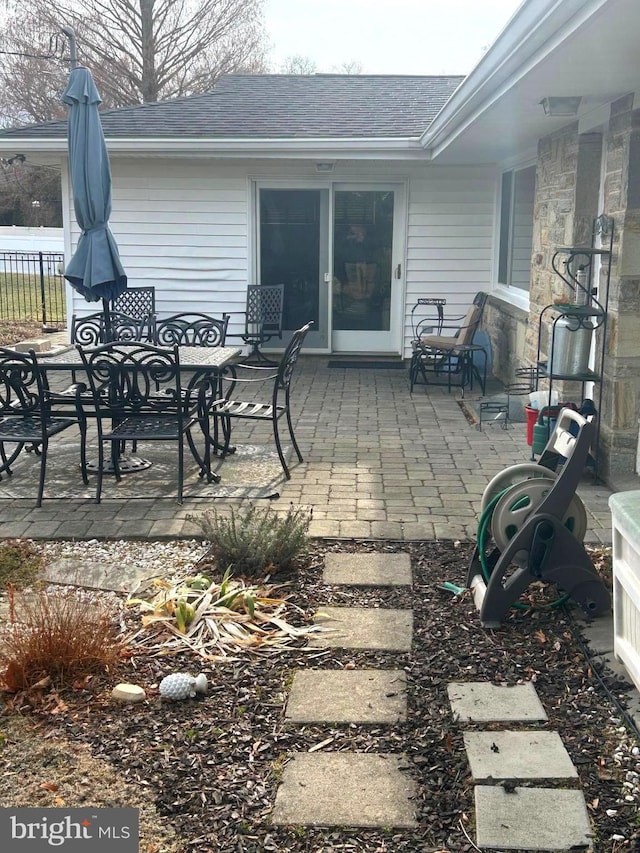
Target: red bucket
(532, 418)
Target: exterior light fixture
(561, 106)
(324, 167)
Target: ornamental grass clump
(255, 541)
(216, 619)
(57, 635)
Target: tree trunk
(149, 76)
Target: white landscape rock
(128, 693)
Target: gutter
(536, 29)
(388, 147)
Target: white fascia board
(535, 30)
(399, 148)
(18, 144)
(273, 148)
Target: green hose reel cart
(536, 523)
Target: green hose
(483, 527)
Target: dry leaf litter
(204, 771)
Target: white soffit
(550, 47)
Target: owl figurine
(180, 685)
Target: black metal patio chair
(91, 330)
(192, 330)
(123, 383)
(27, 417)
(247, 376)
(138, 302)
(262, 319)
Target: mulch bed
(213, 764)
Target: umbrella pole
(108, 331)
(70, 33)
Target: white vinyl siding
(185, 227)
(450, 238)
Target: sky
(386, 36)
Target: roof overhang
(361, 149)
(549, 48)
(586, 48)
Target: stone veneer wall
(566, 203)
(621, 388)
(506, 326)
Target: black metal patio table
(202, 364)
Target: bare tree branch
(138, 50)
(298, 65)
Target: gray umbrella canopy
(95, 269)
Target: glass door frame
(288, 183)
(398, 272)
(399, 188)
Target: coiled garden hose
(481, 539)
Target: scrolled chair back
(21, 383)
(91, 330)
(192, 330)
(130, 377)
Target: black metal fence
(32, 288)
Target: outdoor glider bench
(537, 523)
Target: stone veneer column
(553, 223)
(621, 399)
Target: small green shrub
(252, 541)
(61, 634)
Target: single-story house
(363, 193)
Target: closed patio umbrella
(95, 270)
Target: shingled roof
(281, 106)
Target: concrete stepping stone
(368, 569)
(483, 702)
(96, 574)
(348, 696)
(364, 628)
(345, 789)
(518, 755)
(531, 819)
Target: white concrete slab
(365, 628)
(97, 575)
(531, 819)
(517, 756)
(345, 789)
(483, 702)
(348, 696)
(368, 569)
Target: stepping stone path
(365, 628)
(510, 817)
(328, 788)
(352, 788)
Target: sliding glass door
(294, 250)
(338, 252)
